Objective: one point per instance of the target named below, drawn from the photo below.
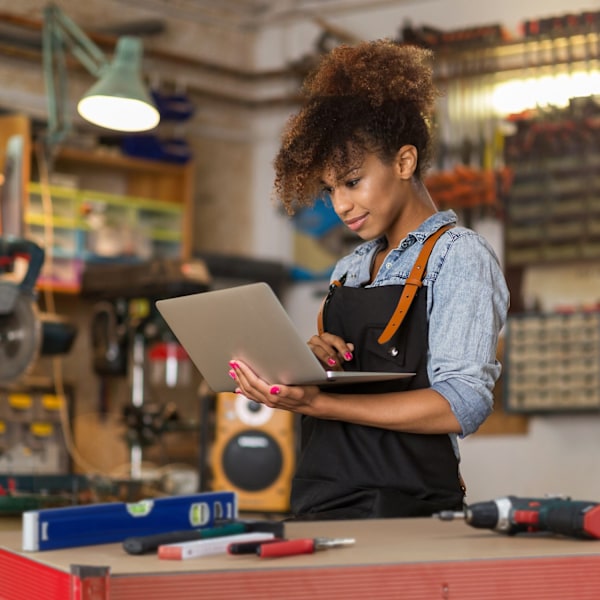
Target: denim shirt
(467, 302)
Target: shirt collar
(432, 224)
(427, 228)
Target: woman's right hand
(331, 350)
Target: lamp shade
(119, 100)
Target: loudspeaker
(253, 453)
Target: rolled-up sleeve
(468, 301)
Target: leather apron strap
(413, 283)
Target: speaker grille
(252, 460)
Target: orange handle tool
(301, 546)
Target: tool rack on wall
(553, 209)
(536, 171)
(553, 363)
(470, 70)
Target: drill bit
(450, 515)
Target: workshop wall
(206, 63)
(234, 136)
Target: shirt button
(388, 265)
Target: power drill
(512, 515)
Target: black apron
(348, 471)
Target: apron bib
(348, 471)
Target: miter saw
(25, 332)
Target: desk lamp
(118, 100)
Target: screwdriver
(301, 546)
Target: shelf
(148, 204)
(117, 160)
(58, 288)
(87, 225)
(110, 176)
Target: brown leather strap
(413, 283)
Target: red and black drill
(512, 515)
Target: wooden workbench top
(378, 542)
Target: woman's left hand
(294, 398)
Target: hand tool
(150, 543)
(512, 515)
(113, 522)
(208, 547)
(249, 547)
(301, 546)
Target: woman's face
(369, 197)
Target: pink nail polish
(233, 364)
(232, 374)
(348, 356)
(274, 390)
(331, 362)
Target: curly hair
(375, 96)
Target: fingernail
(232, 374)
(331, 362)
(233, 364)
(348, 356)
(274, 390)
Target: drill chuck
(483, 515)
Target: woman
(362, 139)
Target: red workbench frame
(562, 569)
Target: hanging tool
(25, 332)
(20, 328)
(512, 515)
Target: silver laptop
(249, 323)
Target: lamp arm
(81, 46)
(55, 80)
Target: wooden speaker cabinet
(253, 453)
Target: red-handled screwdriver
(249, 547)
(301, 546)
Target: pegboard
(552, 362)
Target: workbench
(395, 559)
